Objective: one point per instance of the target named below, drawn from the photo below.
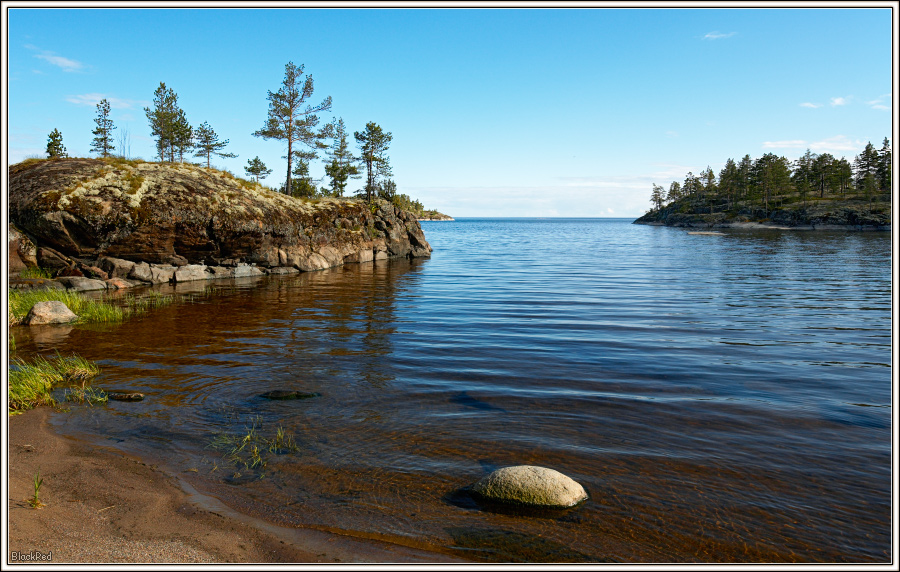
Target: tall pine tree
(373, 145)
(340, 165)
(103, 141)
(289, 120)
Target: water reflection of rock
(47, 337)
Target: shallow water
(721, 398)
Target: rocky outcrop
(850, 215)
(160, 222)
(529, 485)
(434, 215)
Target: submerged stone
(529, 485)
(123, 396)
(282, 394)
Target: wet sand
(105, 507)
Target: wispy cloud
(718, 35)
(92, 99)
(882, 102)
(836, 145)
(835, 101)
(66, 64)
(791, 144)
(810, 105)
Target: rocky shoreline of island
(852, 215)
(113, 223)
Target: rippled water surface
(721, 398)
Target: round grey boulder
(51, 312)
(531, 486)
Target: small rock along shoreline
(110, 224)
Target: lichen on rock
(154, 213)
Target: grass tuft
(250, 448)
(90, 311)
(35, 501)
(36, 272)
(31, 384)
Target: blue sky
(494, 112)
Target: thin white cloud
(791, 144)
(836, 145)
(810, 105)
(718, 35)
(65, 63)
(92, 99)
(835, 101)
(882, 102)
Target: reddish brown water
(722, 399)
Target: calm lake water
(721, 398)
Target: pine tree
(207, 143)
(341, 165)
(656, 196)
(728, 182)
(103, 141)
(55, 147)
(674, 192)
(162, 120)
(256, 168)
(866, 165)
(387, 190)
(373, 144)
(302, 184)
(289, 121)
(883, 170)
(182, 136)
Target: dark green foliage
(288, 120)
(373, 145)
(770, 182)
(183, 136)
(103, 141)
(657, 196)
(168, 124)
(341, 165)
(207, 143)
(302, 185)
(257, 169)
(55, 147)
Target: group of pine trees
(770, 182)
(291, 118)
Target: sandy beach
(105, 507)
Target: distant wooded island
(816, 190)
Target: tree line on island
(292, 119)
(771, 182)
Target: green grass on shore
(31, 384)
(89, 311)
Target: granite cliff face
(79, 211)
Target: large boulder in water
(529, 485)
(162, 212)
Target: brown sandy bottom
(105, 507)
